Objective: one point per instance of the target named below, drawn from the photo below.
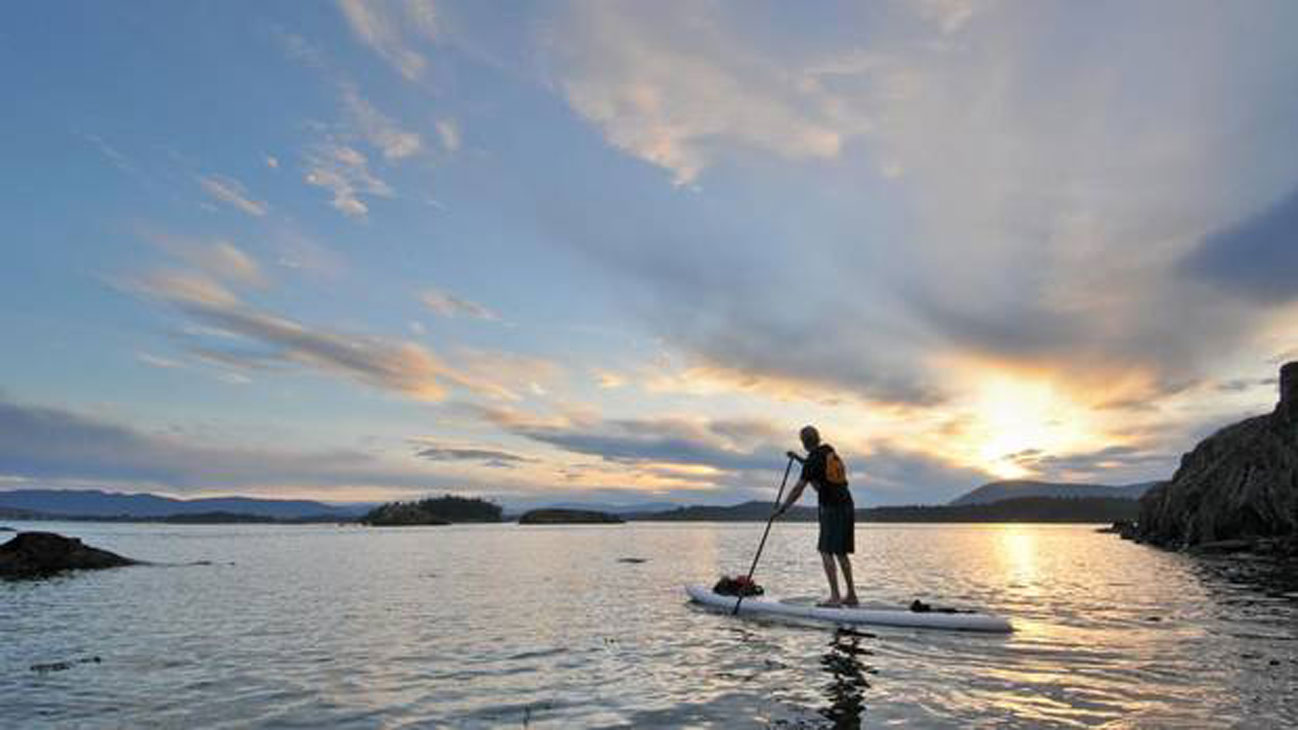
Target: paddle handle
(787, 468)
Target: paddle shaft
(787, 468)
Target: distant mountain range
(1005, 500)
(96, 503)
(1019, 489)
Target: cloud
(300, 253)
(895, 475)
(449, 132)
(502, 375)
(1054, 182)
(232, 193)
(732, 453)
(43, 443)
(675, 93)
(446, 304)
(950, 15)
(1256, 258)
(344, 171)
(296, 47)
(379, 130)
(219, 259)
(1108, 465)
(402, 367)
(721, 444)
(608, 380)
(488, 457)
(112, 154)
(156, 361)
(231, 333)
(392, 29)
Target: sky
(622, 251)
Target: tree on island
(434, 511)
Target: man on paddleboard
(824, 471)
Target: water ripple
(483, 626)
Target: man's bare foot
(831, 603)
(851, 602)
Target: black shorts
(837, 529)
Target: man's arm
(793, 496)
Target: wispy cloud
(393, 29)
(232, 333)
(345, 172)
(449, 132)
(446, 304)
(719, 444)
(609, 380)
(233, 193)
(220, 259)
(378, 129)
(156, 361)
(672, 87)
(435, 451)
(402, 367)
(1111, 463)
(112, 154)
(250, 337)
(298, 48)
(43, 443)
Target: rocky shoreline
(1235, 493)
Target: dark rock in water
(1239, 483)
(7, 529)
(568, 517)
(63, 666)
(32, 554)
(1125, 528)
(633, 561)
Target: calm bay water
(508, 625)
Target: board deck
(761, 605)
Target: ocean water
(544, 626)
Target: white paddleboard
(761, 605)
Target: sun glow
(1016, 417)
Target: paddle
(767, 531)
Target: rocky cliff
(1241, 482)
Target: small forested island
(568, 517)
(443, 510)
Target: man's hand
(794, 456)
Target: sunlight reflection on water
(482, 626)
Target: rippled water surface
(508, 625)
